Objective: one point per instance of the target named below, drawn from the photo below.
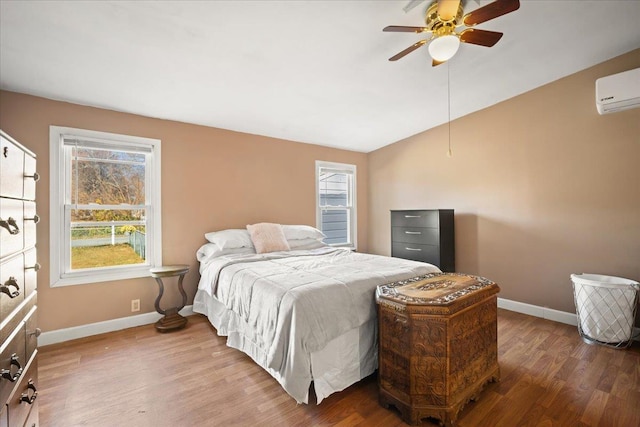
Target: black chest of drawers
(424, 235)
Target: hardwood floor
(140, 377)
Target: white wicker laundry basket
(606, 308)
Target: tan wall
(211, 179)
(542, 187)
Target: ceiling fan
(443, 17)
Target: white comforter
(298, 301)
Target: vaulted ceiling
(309, 71)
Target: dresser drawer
(20, 217)
(13, 361)
(12, 228)
(422, 236)
(17, 170)
(11, 169)
(12, 292)
(428, 219)
(24, 397)
(424, 253)
(10, 323)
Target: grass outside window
(104, 256)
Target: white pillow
(230, 239)
(300, 232)
(268, 237)
(305, 244)
(211, 250)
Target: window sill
(98, 276)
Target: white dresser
(18, 281)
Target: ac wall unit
(618, 92)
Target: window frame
(352, 196)
(60, 173)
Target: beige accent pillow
(267, 237)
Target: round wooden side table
(172, 319)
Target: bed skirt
(344, 361)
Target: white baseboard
(537, 311)
(62, 335)
(547, 313)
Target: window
(105, 206)
(336, 202)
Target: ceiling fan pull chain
(449, 153)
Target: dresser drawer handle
(414, 249)
(35, 267)
(412, 216)
(413, 232)
(24, 397)
(8, 224)
(36, 332)
(35, 219)
(35, 176)
(5, 288)
(6, 373)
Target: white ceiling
(308, 71)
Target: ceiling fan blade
(480, 37)
(435, 63)
(403, 29)
(407, 50)
(490, 11)
(447, 9)
(411, 5)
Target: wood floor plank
(620, 412)
(139, 377)
(595, 408)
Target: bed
(306, 314)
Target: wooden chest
(438, 344)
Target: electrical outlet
(135, 305)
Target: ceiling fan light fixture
(444, 47)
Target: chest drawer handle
(5, 287)
(6, 373)
(414, 249)
(35, 219)
(9, 224)
(35, 176)
(412, 216)
(401, 320)
(24, 397)
(413, 232)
